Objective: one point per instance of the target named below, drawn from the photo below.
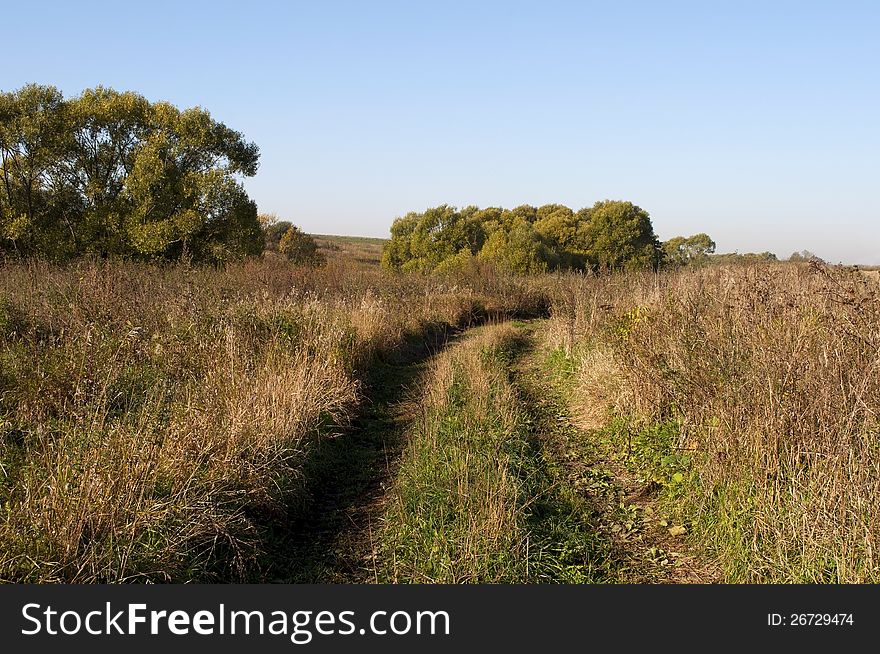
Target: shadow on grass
(567, 542)
(328, 539)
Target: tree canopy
(525, 239)
(688, 251)
(109, 172)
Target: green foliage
(523, 240)
(565, 232)
(288, 240)
(421, 242)
(299, 247)
(691, 250)
(518, 247)
(32, 122)
(620, 236)
(653, 450)
(273, 230)
(111, 173)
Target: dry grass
(599, 388)
(363, 252)
(149, 414)
(772, 374)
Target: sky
(756, 122)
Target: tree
(397, 253)
(103, 135)
(563, 230)
(283, 238)
(744, 258)
(424, 241)
(438, 235)
(620, 235)
(183, 193)
(111, 173)
(32, 134)
(273, 230)
(691, 250)
(519, 249)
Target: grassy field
(154, 416)
(355, 250)
(267, 421)
(748, 398)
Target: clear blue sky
(757, 122)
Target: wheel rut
(332, 539)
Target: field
(265, 421)
(354, 250)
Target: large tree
(112, 173)
(33, 206)
(620, 235)
(565, 232)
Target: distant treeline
(110, 173)
(743, 258)
(609, 235)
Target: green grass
(480, 496)
(639, 477)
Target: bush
(299, 247)
(610, 235)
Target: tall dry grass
(772, 376)
(149, 415)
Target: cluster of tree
(111, 173)
(608, 235)
(285, 239)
